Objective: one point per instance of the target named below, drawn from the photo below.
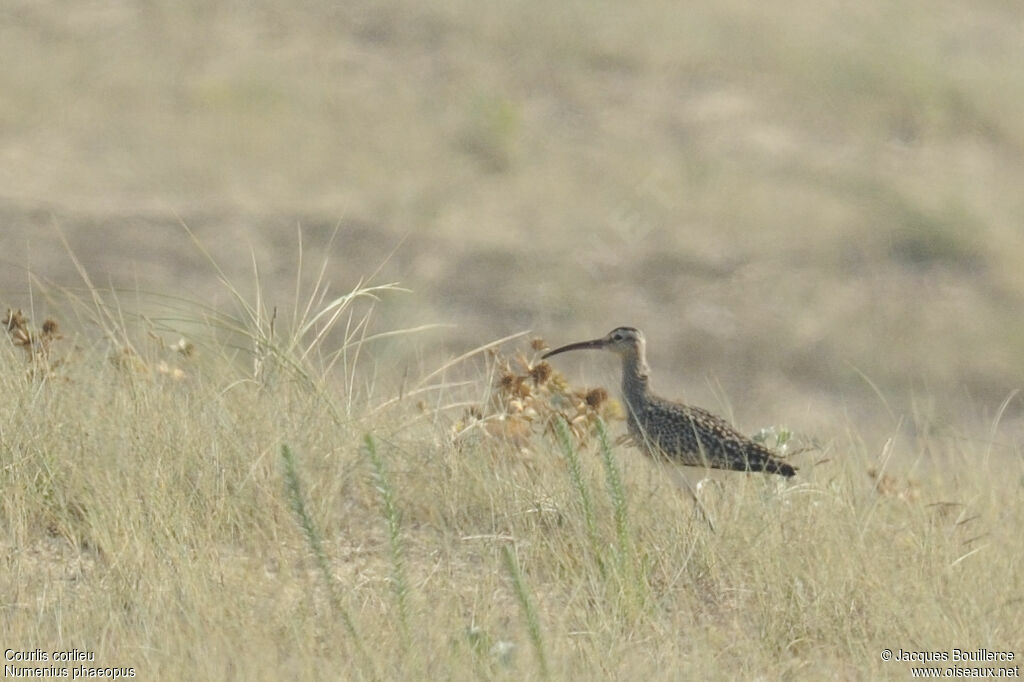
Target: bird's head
(621, 340)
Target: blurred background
(813, 209)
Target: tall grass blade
(572, 458)
(616, 491)
(632, 575)
(399, 583)
(293, 488)
(529, 611)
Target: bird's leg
(681, 481)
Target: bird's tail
(762, 461)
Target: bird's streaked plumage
(668, 429)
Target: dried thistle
(16, 325)
(596, 397)
(50, 329)
(14, 319)
(526, 398)
(35, 345)
(540, 373)
(507, 382)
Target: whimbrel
(665, 429)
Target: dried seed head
(15, 319)
(173, 372)
(540, 373)
(613, 411)
(595, 397)
(558, 384)
(522, 388)
(21, 337)
(51, 329)
(538, 344)
(185, 347)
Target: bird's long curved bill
(581, 345)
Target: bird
(670, 430)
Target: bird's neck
(634, 378)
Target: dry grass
(150, 519)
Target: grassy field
(173, 509)
(813, 211)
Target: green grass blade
(529, 611)
(399, 582)
(293, 489)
